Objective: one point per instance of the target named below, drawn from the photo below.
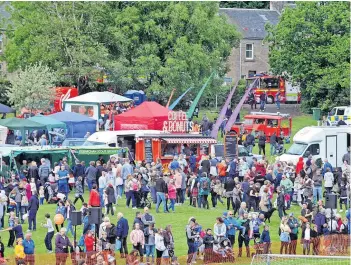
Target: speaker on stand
(76, 219)
(95, 217)
(331, 203)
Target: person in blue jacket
(192, 162)
(33, 208)
(265, 240)
(232, 170)
(325, 166)
(61, 209)
(122, 234)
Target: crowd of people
(246, 188)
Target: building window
(249, 51)
(252, 73)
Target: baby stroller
(49, 194)
(143, 199)
(226, 254)
(279, 148)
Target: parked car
(73, 142)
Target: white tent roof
(98, 97)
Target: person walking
(91, 173)
(262, 143)
(294, 227)
(44, 171)
(33, 208)
(122, 234)
(263, 99)
(127, 169)
(284, 235)
(161, 191)
(172, 194)
(94, 198)
(277, 100)
(159, 245)
(69, 209)
(273, 143)
(111, 199)
(250, 141)
(149, 233)
(317, 186)
(63, 181)
(102, 186)
(79, 190)
(49, 234)
(280, 202)
(204, 191)
(29, 247)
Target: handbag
(284, 237)
(118, 245)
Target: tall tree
(32, 88)
(311, 44)
(154, 46)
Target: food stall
(167, 145)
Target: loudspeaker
(95, 215)
(76, 218)
(330, 201)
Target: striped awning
(190, 140)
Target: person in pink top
(28, 190)
(178, 185)
(172, 194)
(138, 239)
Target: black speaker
(330, 201)
(76, 218)
(95, 215)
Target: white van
(116, 138)
(321, 142)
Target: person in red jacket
(94, 198)
(299, 165)
(89, 242)
(172, 194)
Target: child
(41, 195)
(306, 239)
(61, 209)
(49, 234)
(218, 249)
(12, 233)
(105, 198)
(79, 190)
(265, 240)
(33, 186)
(208, 242)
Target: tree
(311, 45)
(32, 88)
(153, 46)
(4, 86)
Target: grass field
(178, 220)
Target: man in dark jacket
(250, 142)
(111, 198)
(161, 191)
(79, 171)
(232, 170)
(208, 242)
(33, 207)
(262, 143)
(280, 202)
(44, 171)
(122, 233)
(273, 143)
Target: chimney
(276, 6)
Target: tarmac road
(292, 109)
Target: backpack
(204, 185)
(45, 171)
(135, 186)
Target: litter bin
(316, 113)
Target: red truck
(268, 123)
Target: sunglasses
(230, 214)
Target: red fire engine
(268, 123)
(273, 84)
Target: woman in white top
(159, 245)
(328, 180)
(220, 229)
(306, 237)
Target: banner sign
(177, 123)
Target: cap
(225, 214)
(291, 214)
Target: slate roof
(251, 22)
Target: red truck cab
(268, 123)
